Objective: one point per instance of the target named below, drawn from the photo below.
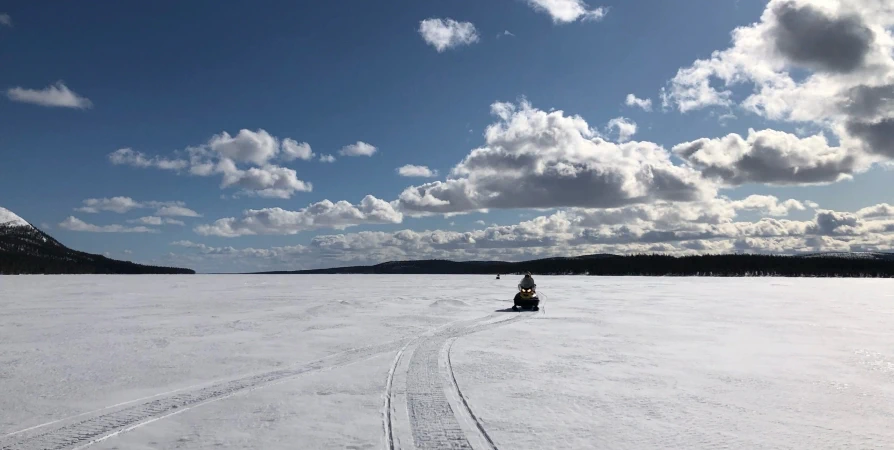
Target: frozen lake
(364, 361)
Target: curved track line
(433, 423)
(451, 378)
(86, 432)
(387, 410)
(106, 408)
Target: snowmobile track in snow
(430, 389)
(81, 433)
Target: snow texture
(9, 218)
(368, 361)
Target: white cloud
(327, 158)
(768, 204)
(119, 205)
(293, 149)
(672, 227)
(123, 205)
(410, 170)
(566, 11)
(644, 103)
(156, 221)
(267, 181)
(56, 95)
(444, 34)
(880, 211)
(74, 224)
(223, 153)
(256, 147)
(176, 210)
(5, 20)
(148, 220)
(505, 33)
(359, 149)
(770, 157)
(324, 214)
(538, 159)
(824, 63)
(626, 128)
(130, 157)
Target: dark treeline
(732, 265)
(17, 264)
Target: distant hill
(734, 265)
(24, 249)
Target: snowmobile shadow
(504, 310)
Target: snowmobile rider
(527, 297)
(527, 282)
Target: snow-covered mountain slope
(10, 219)
(20, 237)
(24, 249)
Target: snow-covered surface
(9, 218)
(273, 362)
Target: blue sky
(162, 78)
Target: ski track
(466, 409)
(433, 422)
(387, 410)
(89, 431)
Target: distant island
(26, 250)
(865, 264)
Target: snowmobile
(498, 276)
(526, 298)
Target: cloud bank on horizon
(815, 76)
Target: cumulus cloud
(324, 214)
(538, 159)
(667, 227)
(807, 35)
(566, 11)
(293, 149)
(175, 210)
(123, 205)
(880, 211)
(148, 220)
(626, 128)
(327, 158)
(644, 103)
(410, 170)
(768, 204)
(74, 224)
(223, 153)
(119, 205)
(256, 147)
(444, 34)
(156, 221)
(825, 63)
(359, 149)
(56, 95)
(267, 181)
(770, 157)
